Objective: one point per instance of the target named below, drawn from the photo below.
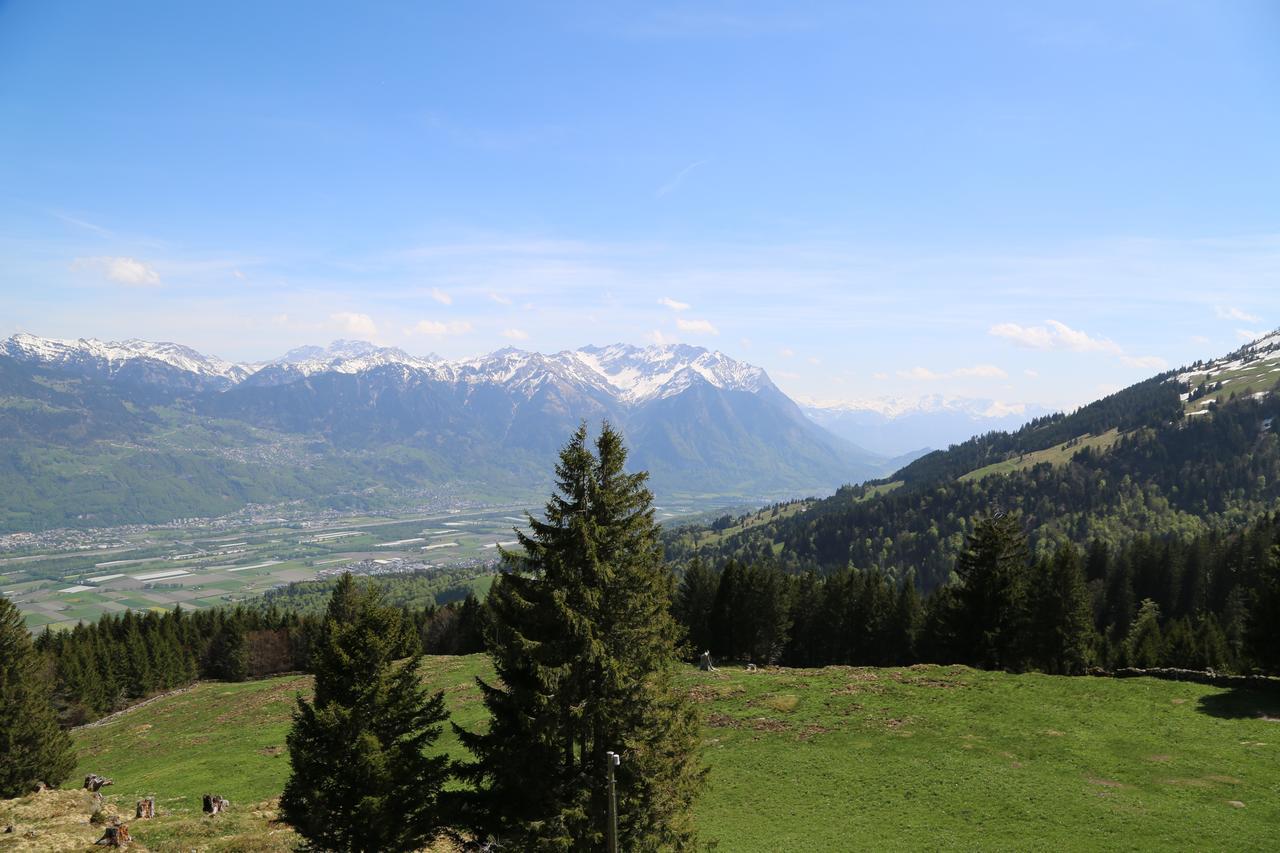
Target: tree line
(98, 668)
(1212, 602)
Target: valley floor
(839, 758)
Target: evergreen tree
(32, 747)
(992, 593)
(584, 645)
(1062, 619)
(228, 654)
(1263, 631)
(1144, 646)
(695, 600)
(361, 776)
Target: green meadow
(840, 758)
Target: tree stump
(213, 804)
(95, 783)
(115, 836)
(146, 808)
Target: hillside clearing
(926, 756)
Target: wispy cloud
(1059, 336)
(1230, 313)
(696, 326)
(515, 334)
(499, 298)
(674, 184)
(440, 296)
(437, 329)
(121, 270)
(85, 224)
(673, 304)
(1249, 335)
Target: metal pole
(612, 760)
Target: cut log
(115, 836)
(146, 808)
(94, 782)
(213, 804)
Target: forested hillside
(1178, 455)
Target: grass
(920, 757)
(1059, 454)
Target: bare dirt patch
(1160, 759)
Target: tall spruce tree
(993, 591)
(361, 776)
(32, 747)
(584, 646)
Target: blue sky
(1030, 203)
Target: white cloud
(673, 304)
(814, 360)
(880, 377)
(436, 329)
(238, 274)
(1250, 335)
(516, 334)
(355, 324)
(440, 296)
(659, 338)
(499, 298)
(130, 271)
(921, 373)
(1034, 374)
(787, 352)
(697, 326)
(1230, 313)
(1059, 336)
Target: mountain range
(112, 432)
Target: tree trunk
(146, 808)
(115, 836)
(213, 804)
(95, 783)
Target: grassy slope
(1059, 454)
(836, 758)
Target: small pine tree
(32, 747)
(584, 645)
(361, 776)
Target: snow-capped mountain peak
(111, 356)
(629, 374)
